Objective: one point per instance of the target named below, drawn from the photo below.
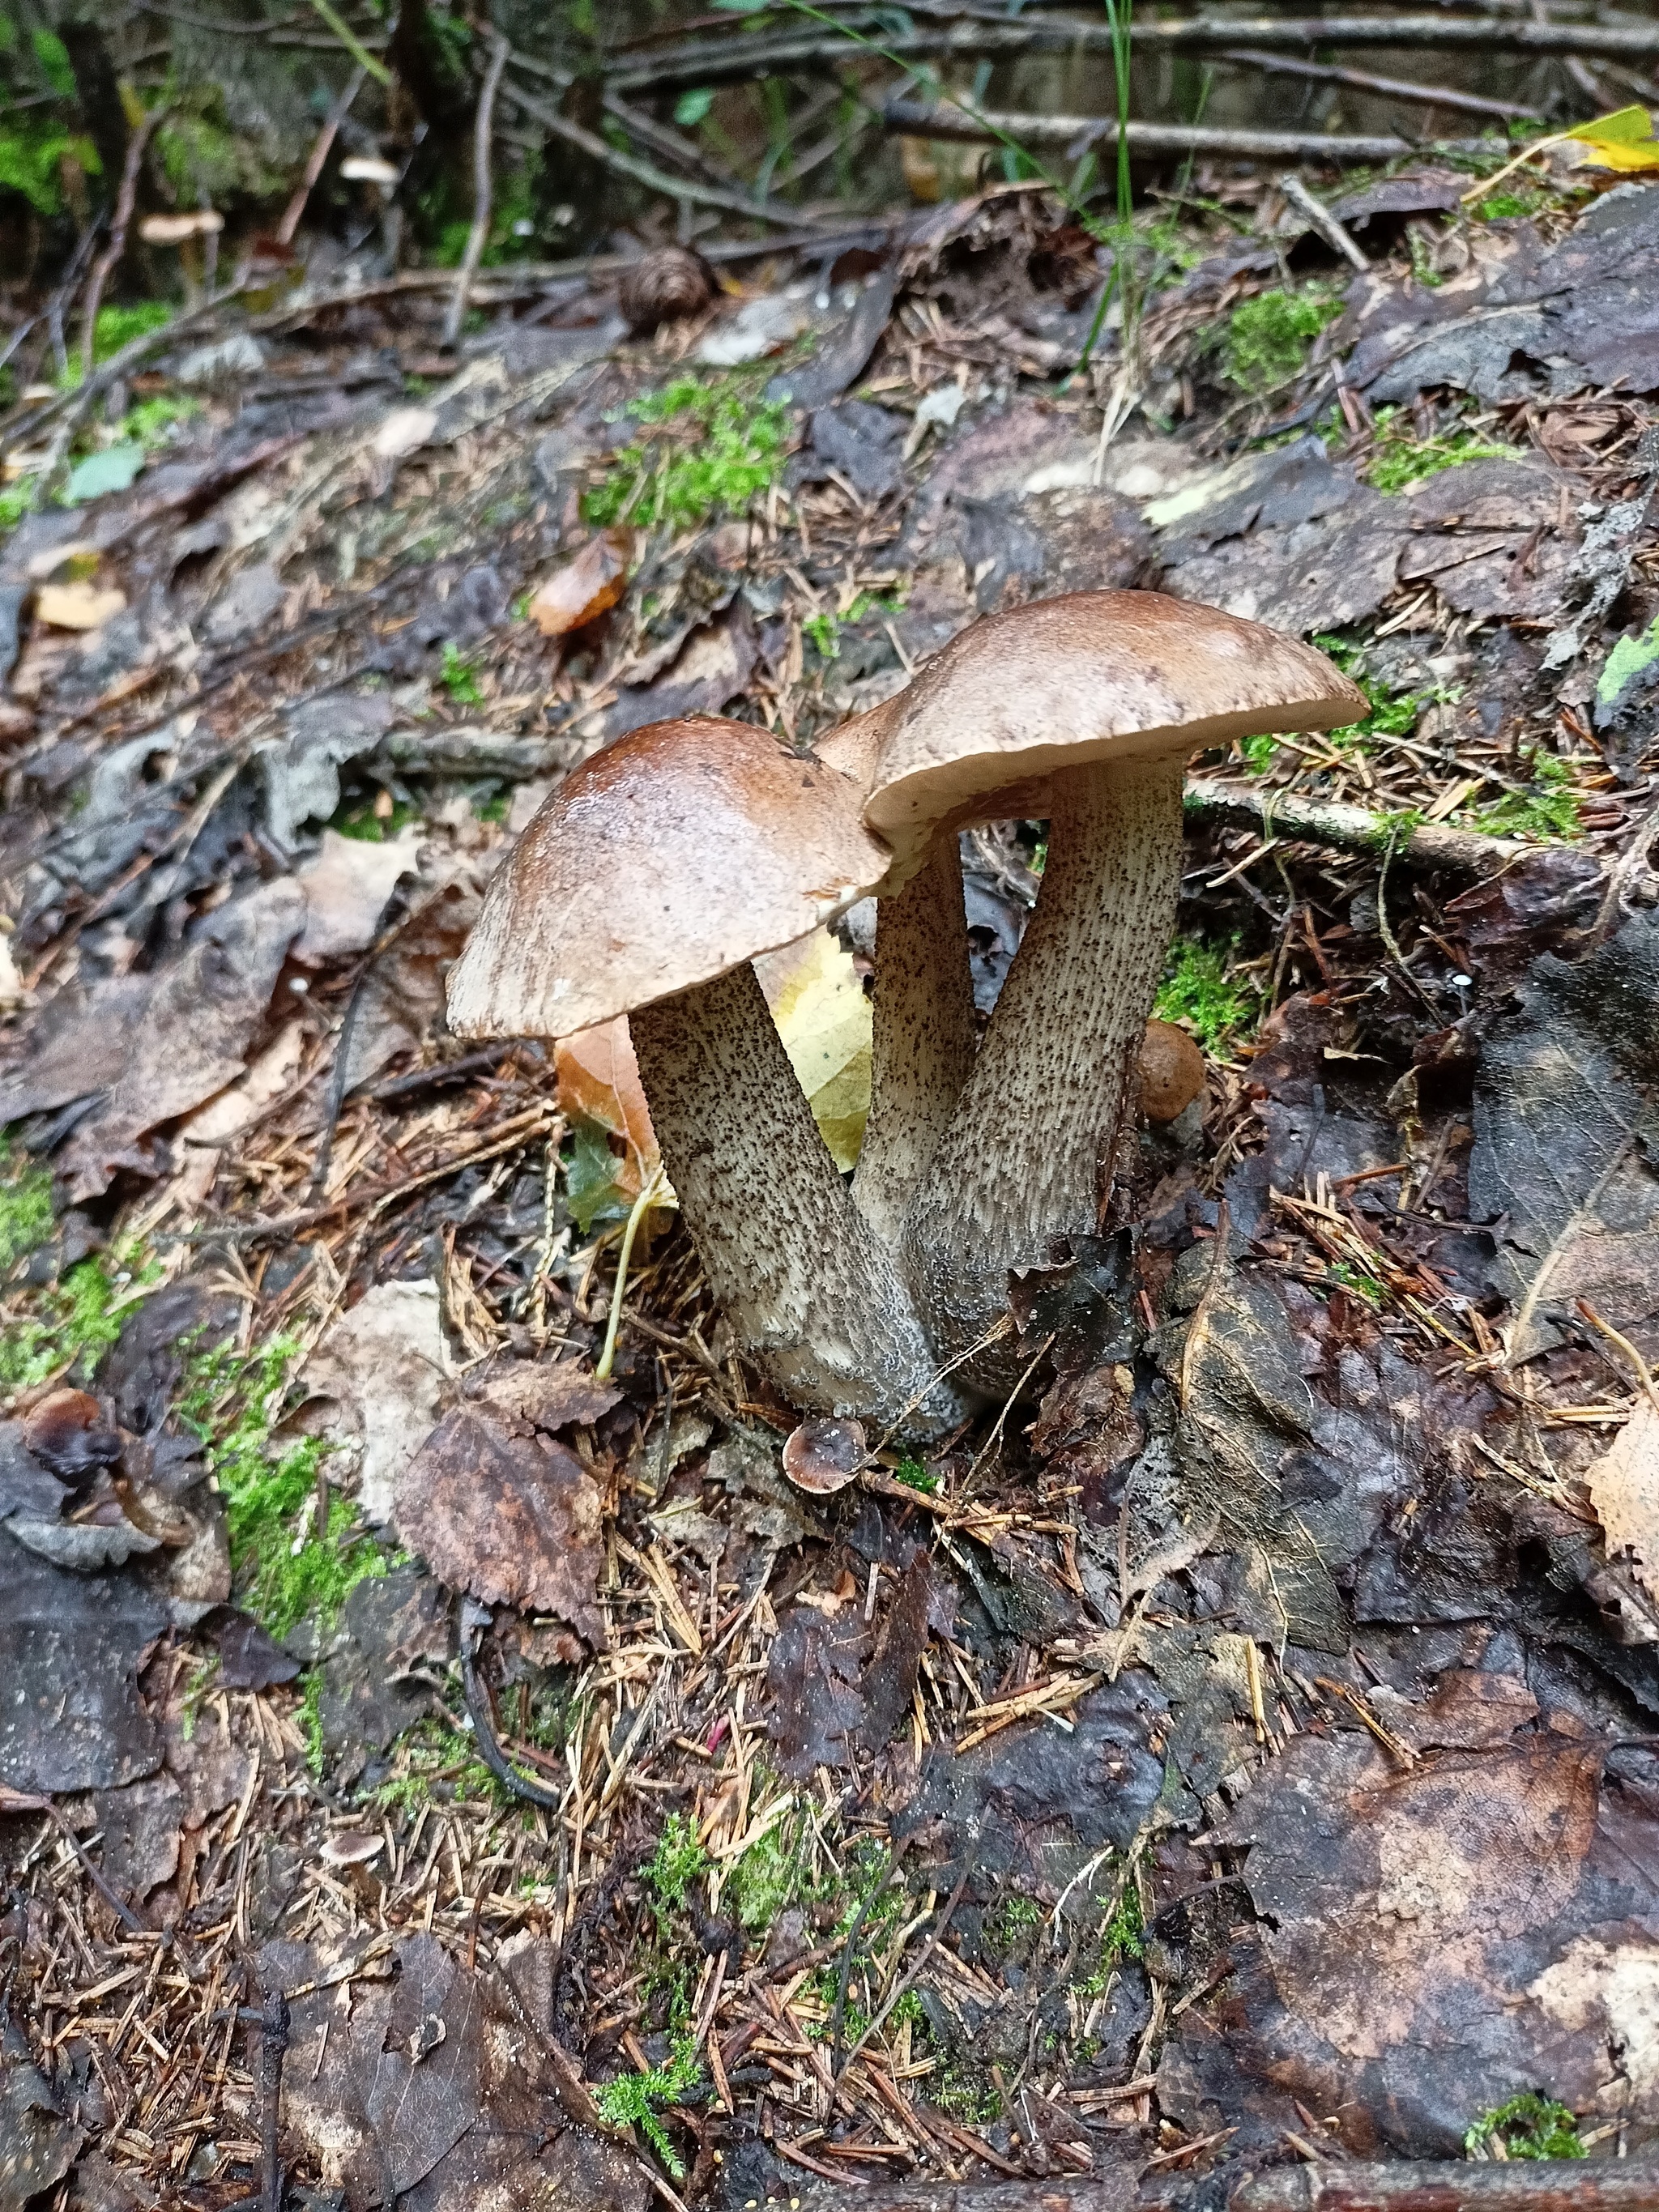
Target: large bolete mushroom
(644, 886)
(1083, 710)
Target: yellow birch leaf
(1623, 140)
(823, 1018)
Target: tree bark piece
(1022, 1161)
(922, 1048)
(1424, 846)
(811, 1294)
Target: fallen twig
(474, 1618)
(319, 150)
(1075, 134)
(1545, 2184)
(643, 172)
(110, 259)
(482, 191)
(273, 2048)
(1389, 88)
(783, 53)
(1316, 212)
(70, 408)
(1424, 845)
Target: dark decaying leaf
(248, 1658)
(889, 1681)
(841, 354)
(38, 2144)
(1445, 1935)
(812, 1679)
(1030, 1801)
(392, 1629)
(505, 1514)
(552, 1395)
(1246, 1412)
(478, 2122)
(1566, 1121)
(140, 1825)
(194, 1037)
(70, 1649)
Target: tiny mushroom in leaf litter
(1172, 1070)
(824, 1456)
(1082, 709)
(645, 885)
(667, 285)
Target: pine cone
(671, 283)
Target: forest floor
(1242, 1749)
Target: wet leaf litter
(1235, 1750)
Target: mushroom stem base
(1027, 1157)
(815, 1298)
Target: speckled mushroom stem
(812, 1294)
(923, 1035)
(1027, 1156)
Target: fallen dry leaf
(823, 1018)
(584, 588)
(1624, 1488)
(383, 1365)
(598, 1079)
(346, 890)
(78, 606)
(509, 1515)
(203, 1136)
(549, 1394)
(203, 1012)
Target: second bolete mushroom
(645, 885)
(1083, 710)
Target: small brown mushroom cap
(669, 859)
(668, 283)
(1093, 676)
(1171, 1072)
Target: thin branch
(110, 259)
(1423, 845)
(1075, 134)
(482, 192)
(74, 406)
(1386, 87)
(353, 45)
(1316, 212)
(319, 151)
(781, 53)
(642, 173)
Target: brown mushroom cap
(667, 859)
(1094, 676)
(1172, 1069)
